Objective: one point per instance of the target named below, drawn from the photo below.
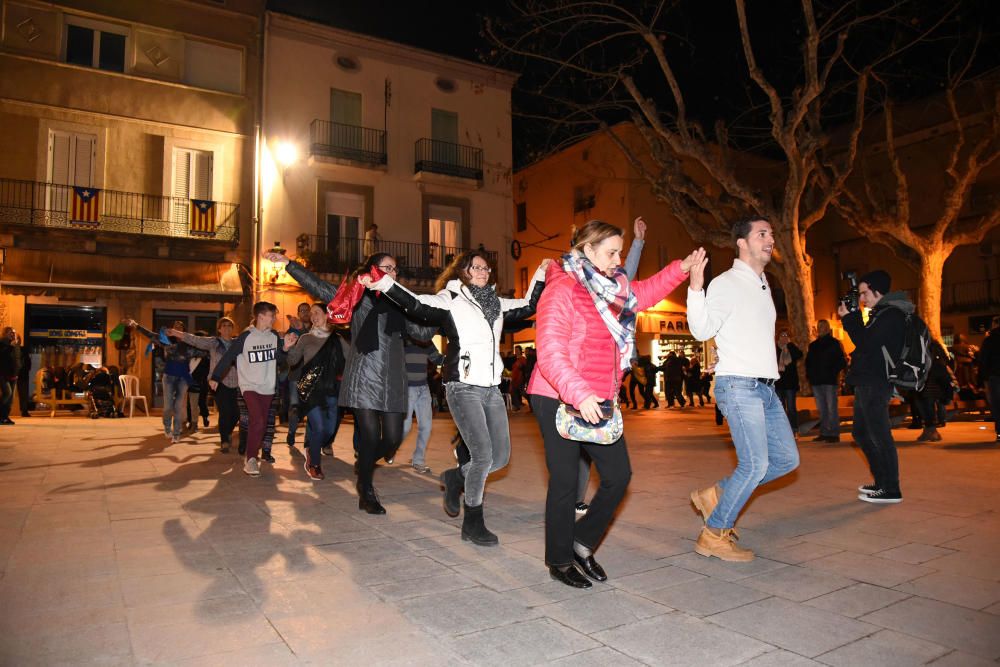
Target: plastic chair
(130, 393)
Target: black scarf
(488, 300)
(395, 322)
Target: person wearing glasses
(374, 383)
(472, 315)
(585, 340)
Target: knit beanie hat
(878, 281)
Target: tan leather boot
(722, 545)
(705, 500)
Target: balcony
(351, 143)
(442, 157)
(971, 295)
(338, 255)
(46, 206)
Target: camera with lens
(851, 300)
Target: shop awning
(84, 276)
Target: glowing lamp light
(286, 153)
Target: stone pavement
(118, 548)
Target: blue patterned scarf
(613, 298)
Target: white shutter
(60, 157)
(202, 181)
(452, 234)
(83, 163)
(182, 173)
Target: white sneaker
(252, 467)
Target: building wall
(301, 70)
(167, 96)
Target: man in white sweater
(738, 311)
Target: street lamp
(286, 154)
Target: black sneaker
(881, 497)
(867, 489)
(266, 456)
(581, 508)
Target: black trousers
(379, 435)
(562, 457)
(873, 433)
(229, 411)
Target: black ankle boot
(454, 484)
(474, 528)
(368, 500)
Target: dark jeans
(632, 386)
(873, 433)
(787, 397)
(6, 398)
(562, 457)
(321, 426)
(649, 395)
(23, 396)
(379, 434)
(993, 392)
(675, 392)
(481, 418)
(229, 411)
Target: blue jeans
(829, 414)
(420, 405)
(174, 404)
(765, 446)
(323, 421)
(481, 417)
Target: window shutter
(83, 163)
(182, 173)
(60, 158)
(202, 184)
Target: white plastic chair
(130, 393)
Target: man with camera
(883, 334)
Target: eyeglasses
(389, 269)
(480, 269)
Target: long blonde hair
(593, 232)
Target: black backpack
(913, 366)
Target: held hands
(545, 264)
(695, 264)
(639, 228)
(276, 257)
(213, 384)
(175, 333)
(289, 341)
(590, 409)
(365, 280)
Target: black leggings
(379, 436)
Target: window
(95, 44)
(444, 233)
(522, 217)
(343, 237)
(444, 132)
(192, 180)
(523, 273)
(71, 158)
(584, 199)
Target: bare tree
(620, 58)
(925, 240)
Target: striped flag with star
(203, 217)
(85, 208)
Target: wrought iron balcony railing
(971, 295)
(442, 157)
(348, 142)
(335, 254)
(50, 205)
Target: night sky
(703, 44)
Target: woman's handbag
(308, 382)
(572, 426)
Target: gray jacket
(377, 380)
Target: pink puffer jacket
(577, 356)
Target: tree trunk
(797, 282)
(932, 259)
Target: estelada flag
(85, 208)
(203, 217)
(341, 308)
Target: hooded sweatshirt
(886, 326)
(256, 354)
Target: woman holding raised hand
(472, 315)
(585, 339)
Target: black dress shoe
(590, 567)
(570, 576)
